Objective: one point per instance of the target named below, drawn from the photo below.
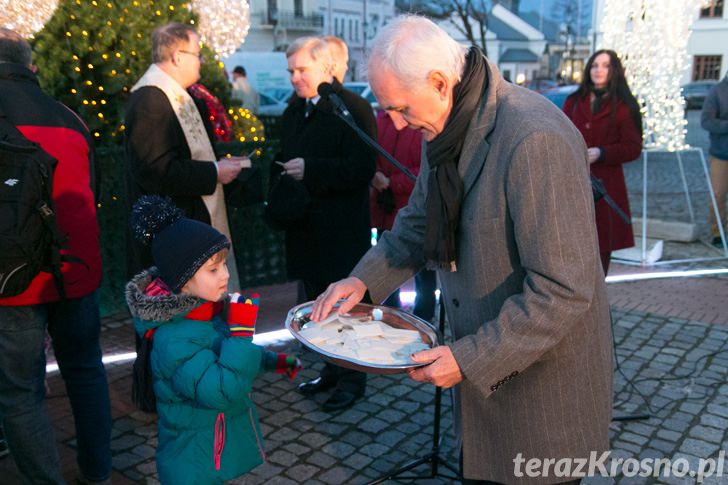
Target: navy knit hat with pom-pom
(180, 246)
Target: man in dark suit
(326, 156)
(168, 145)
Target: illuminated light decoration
(245, 125)
(26, 17)
(223, 24)
(651, 37)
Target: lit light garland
(246, 126)
(26, 17)
(651, 38)
(223, 24)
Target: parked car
(364, 90)
(540, 85)
(695, 93)
(559, 94)
(274, 101)
(269, 106)
(280, 94)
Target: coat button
(456, 302)
(493, 388)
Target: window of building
(706, 67)
(298, 8)
(351, 29)
(272, 12)
(715, 9)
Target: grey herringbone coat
(528, 304)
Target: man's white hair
(411, 47)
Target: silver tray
(299, 316)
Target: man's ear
(440, 82)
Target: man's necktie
(309, 108)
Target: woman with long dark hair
(608, 117)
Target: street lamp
(567, 59)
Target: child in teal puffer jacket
(203, 360)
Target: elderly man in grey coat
(504, 211)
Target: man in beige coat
(503, 210)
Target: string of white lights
(223, 24)
(26, 17)
(651, 38)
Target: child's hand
(242, 315)
(288, 364)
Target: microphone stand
(433, 456)
(339, 109)
(601, 192)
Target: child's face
(210, 281)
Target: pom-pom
(151, 214)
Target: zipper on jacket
(219, 438)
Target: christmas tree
(91, 53)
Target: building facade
(707, 45)
(274, 24)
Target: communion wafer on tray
(370, 338)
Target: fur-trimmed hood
(152, 311)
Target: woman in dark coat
(608, 117)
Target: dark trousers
(346, 379)
(605, 258)
(425, 286)
(74, 327)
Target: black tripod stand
(433, 456)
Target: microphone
(326, 91)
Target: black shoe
(3, 448)
(340, 400)
(316, 385)
(717, 242)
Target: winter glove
(242, 315)
(282, 363)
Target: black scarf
(445, 188)
(599, 95)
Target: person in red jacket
(392, 190)
(608, 117)
(73, 323)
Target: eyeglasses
(198, 55)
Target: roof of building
(502, 30)
(550, 28)
(518, 55)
